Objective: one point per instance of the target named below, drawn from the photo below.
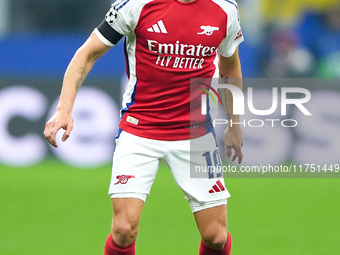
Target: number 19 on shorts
(213, 164)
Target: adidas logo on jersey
(218, 187)
(158, 28)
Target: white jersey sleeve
(121, 20)
(120, 16)
(234, 32)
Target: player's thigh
(212, 223)
(127, 211)
(126, 217)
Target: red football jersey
(167, 43)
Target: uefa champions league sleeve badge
(111, 15)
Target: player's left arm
(230, 73)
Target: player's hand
(233, 140)
(60, 120)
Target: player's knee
(124, 232)
(215, 240)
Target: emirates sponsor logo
(180, 49)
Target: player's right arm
(75, 74)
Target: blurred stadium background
(54, 201)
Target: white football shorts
(136, 162)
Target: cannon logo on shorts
(123, 179)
